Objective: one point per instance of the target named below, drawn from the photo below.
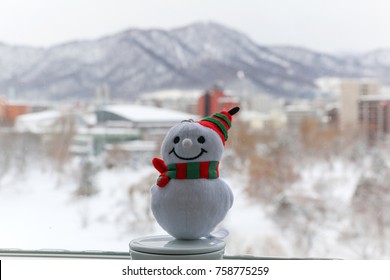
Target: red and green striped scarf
(190, 170)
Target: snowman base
(166, 247)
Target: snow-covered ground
(40, 209)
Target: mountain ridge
(196, 56)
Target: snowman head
(200, 141)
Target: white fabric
(191, 208)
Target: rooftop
(375, 97)
(140, 113)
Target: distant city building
(139, 116)
(111, 124)
(215, 100)
(374, 115)
(179, 100)
(136, 153)
(297, 113)
(10, 112)
(265, 103)
(332, 114)
(350, 93)
(39, 122)
(262, 121)
(152, 122)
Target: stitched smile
(191, 158)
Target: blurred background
(89, 89)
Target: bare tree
(60, 139)
(87, 184)
(371, 205)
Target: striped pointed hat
(220, 122)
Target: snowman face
(191, 142)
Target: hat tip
(234, 111)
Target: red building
(215, 100)
(9, 112)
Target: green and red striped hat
(220, 122)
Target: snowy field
(40, 209)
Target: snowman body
(191, 208)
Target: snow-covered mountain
(192, 57)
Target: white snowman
(189, 199)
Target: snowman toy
(189, 199)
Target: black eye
(176, 140)
(201, 140)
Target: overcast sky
(323, 25)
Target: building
(39, 122)
(140, 116)
(261, 121)
(10, 112)
(152, 122)
(350, 93)
(332, 114)
(265, 103)
(111, 124)
(297, 113)
(374, 115)
(134, 153)
(215, 100)
(179, 100)
(87, 138)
